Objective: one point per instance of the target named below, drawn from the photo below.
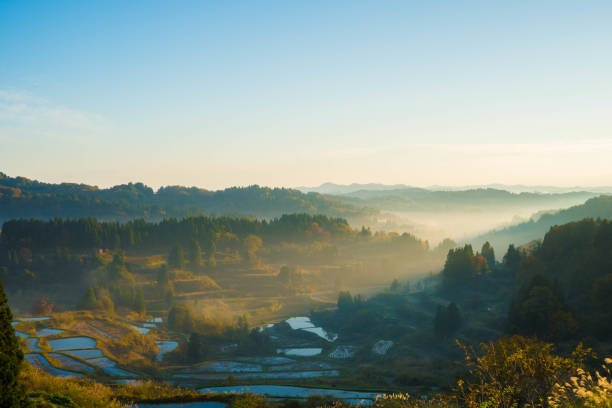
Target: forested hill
(88, 233)
(418, 199)
(24, 198)
(598, 207)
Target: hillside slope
(597, 207)
(24, 198)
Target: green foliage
(564, 283)
(176, 259)
(539, 309)
(195, 254)
(345, 302)
(180, 318)
(601, 304)
(11, 358)
(88, 233)
(197, 349)
(489, 253)
(512, 259)
(447, 320)
(291, 277)
(139, 304)
(514, 372)
(461, 266)
(90, 300)
(24, 198)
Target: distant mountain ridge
(421, 200)
(332, 188)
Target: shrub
(515, 371)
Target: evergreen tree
(176, 259)
(163, 277)
(194, 348)
(447, 321)
(195, 254)
(489, 253)
(139, 303)
(459, 267)
(512, 259)
(345, 302)
(210, 253)
(12, 393)
(89, 301)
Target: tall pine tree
(12, 393)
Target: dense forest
(24, 198)
(561, 286)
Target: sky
(291, 93)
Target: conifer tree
(489, 253)
(12, 393)
(196, 254)
(90, 301)
(176, 259)
(140, 304)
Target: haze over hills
(332, 188)
(536, 227)
(24, 198)
(428, 214)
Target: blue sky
(291, 93)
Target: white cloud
(25, 115)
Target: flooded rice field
(201, 404)
(300, 352)
(164, 347)
(71, 364)
(72, 343)
(267, 360)
(41, 362)
(48, 332)
(281, 391)
(109, 367)
(86, 353)
(304, 323)
(33, 344)
(297, 358)
(141, 330)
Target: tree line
(89, 233)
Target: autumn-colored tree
(489, 253)
(515, 372)
(42, 307)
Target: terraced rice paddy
(280, 391)
(300, 352)
(87, 353)
(164, 347)
(71, 364)
(33, 344)
(41, 362)
(304, 323)
(109, 367)
(202, 404)
(141, 330)
(48, 332)
(72, 343)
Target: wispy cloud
(26, 115)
